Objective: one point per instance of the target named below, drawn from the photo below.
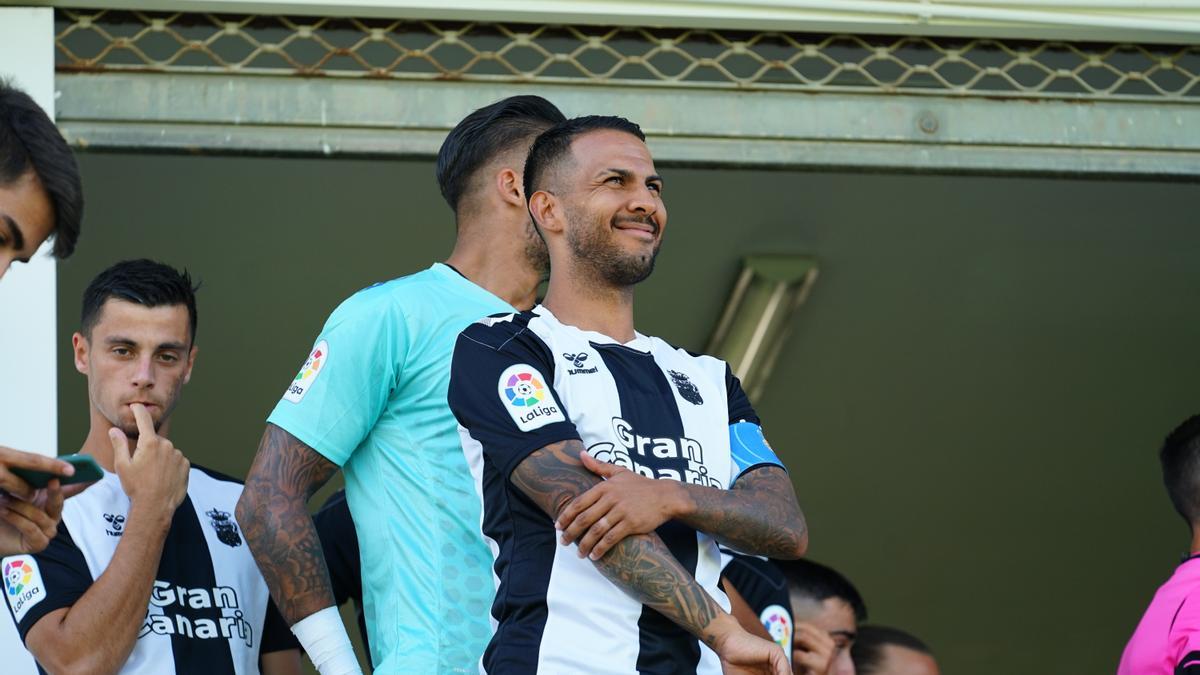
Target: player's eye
(656, 187)
(121, 351)
(168, 357)
(615, 180)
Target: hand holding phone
(86, 470)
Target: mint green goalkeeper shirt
(371, 397)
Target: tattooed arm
(273, 513)
(641, 564)
(759, 515)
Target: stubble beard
(593, 248)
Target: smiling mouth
(647, 229)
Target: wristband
(324, 639)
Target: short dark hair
(145, 282)
(554, 145)
(30, 141)
(486, 133)
(818, 582)
(867, 650)
(1180, 457)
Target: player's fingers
(577, 506)
(33, 540)
(15, 485)
(779, 663)
(54, 500)
(602, 469)
(34, 462)
(69, 491)
(40, 519)
(120, 444)
(145, 423)
(593, 535)
(613, 537)
(584, 522)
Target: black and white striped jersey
(522, 381)
(209, 612)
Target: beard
(593, 247)
(536, 255)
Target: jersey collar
(640, 343)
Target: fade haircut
(553, 148)
(818, 582)
(1180, 457)
(867, 650)
(29, 141)
(485, 134)
(144, 282)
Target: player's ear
(80, 347)
(546, 211)
(508, 185)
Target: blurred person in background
(825, 606)
(880, 650)
(1167, 639)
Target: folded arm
(759, 515)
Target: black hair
(818, 582)
(554, 145)
(1180, 457)
(145, 282)
(486, 133)
(867, 649)
(30, 141)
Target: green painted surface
(970, 401)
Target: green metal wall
(970, 402)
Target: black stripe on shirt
(648, 405)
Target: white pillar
(28, 343)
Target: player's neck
(587, 305)
(1195, 540)
(500, 267)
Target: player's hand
(624, 504)
(744, 654)
(28, 526)
(813, 650)
(156, 475)
(28, 516)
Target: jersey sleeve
(1184, 640)
(344, 385)
(277, 636)
(38, 584)
(740, 409)
(502, 393)
(764, 587)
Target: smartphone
(86, 471)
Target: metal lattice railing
(107, 40)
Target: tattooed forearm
(273, 513)
(759, 515)
(642, 565)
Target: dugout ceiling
(276, 84)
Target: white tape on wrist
(324, 639)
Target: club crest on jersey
(578, 360)
(227, 530)
(308, 373)
(688, 391)
(527, 398)
(779, 626)
(116, 524)
(23, 585)
(680, 459)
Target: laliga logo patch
(22, 584)
(308, 373)
(778, 623)
(527, 399)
